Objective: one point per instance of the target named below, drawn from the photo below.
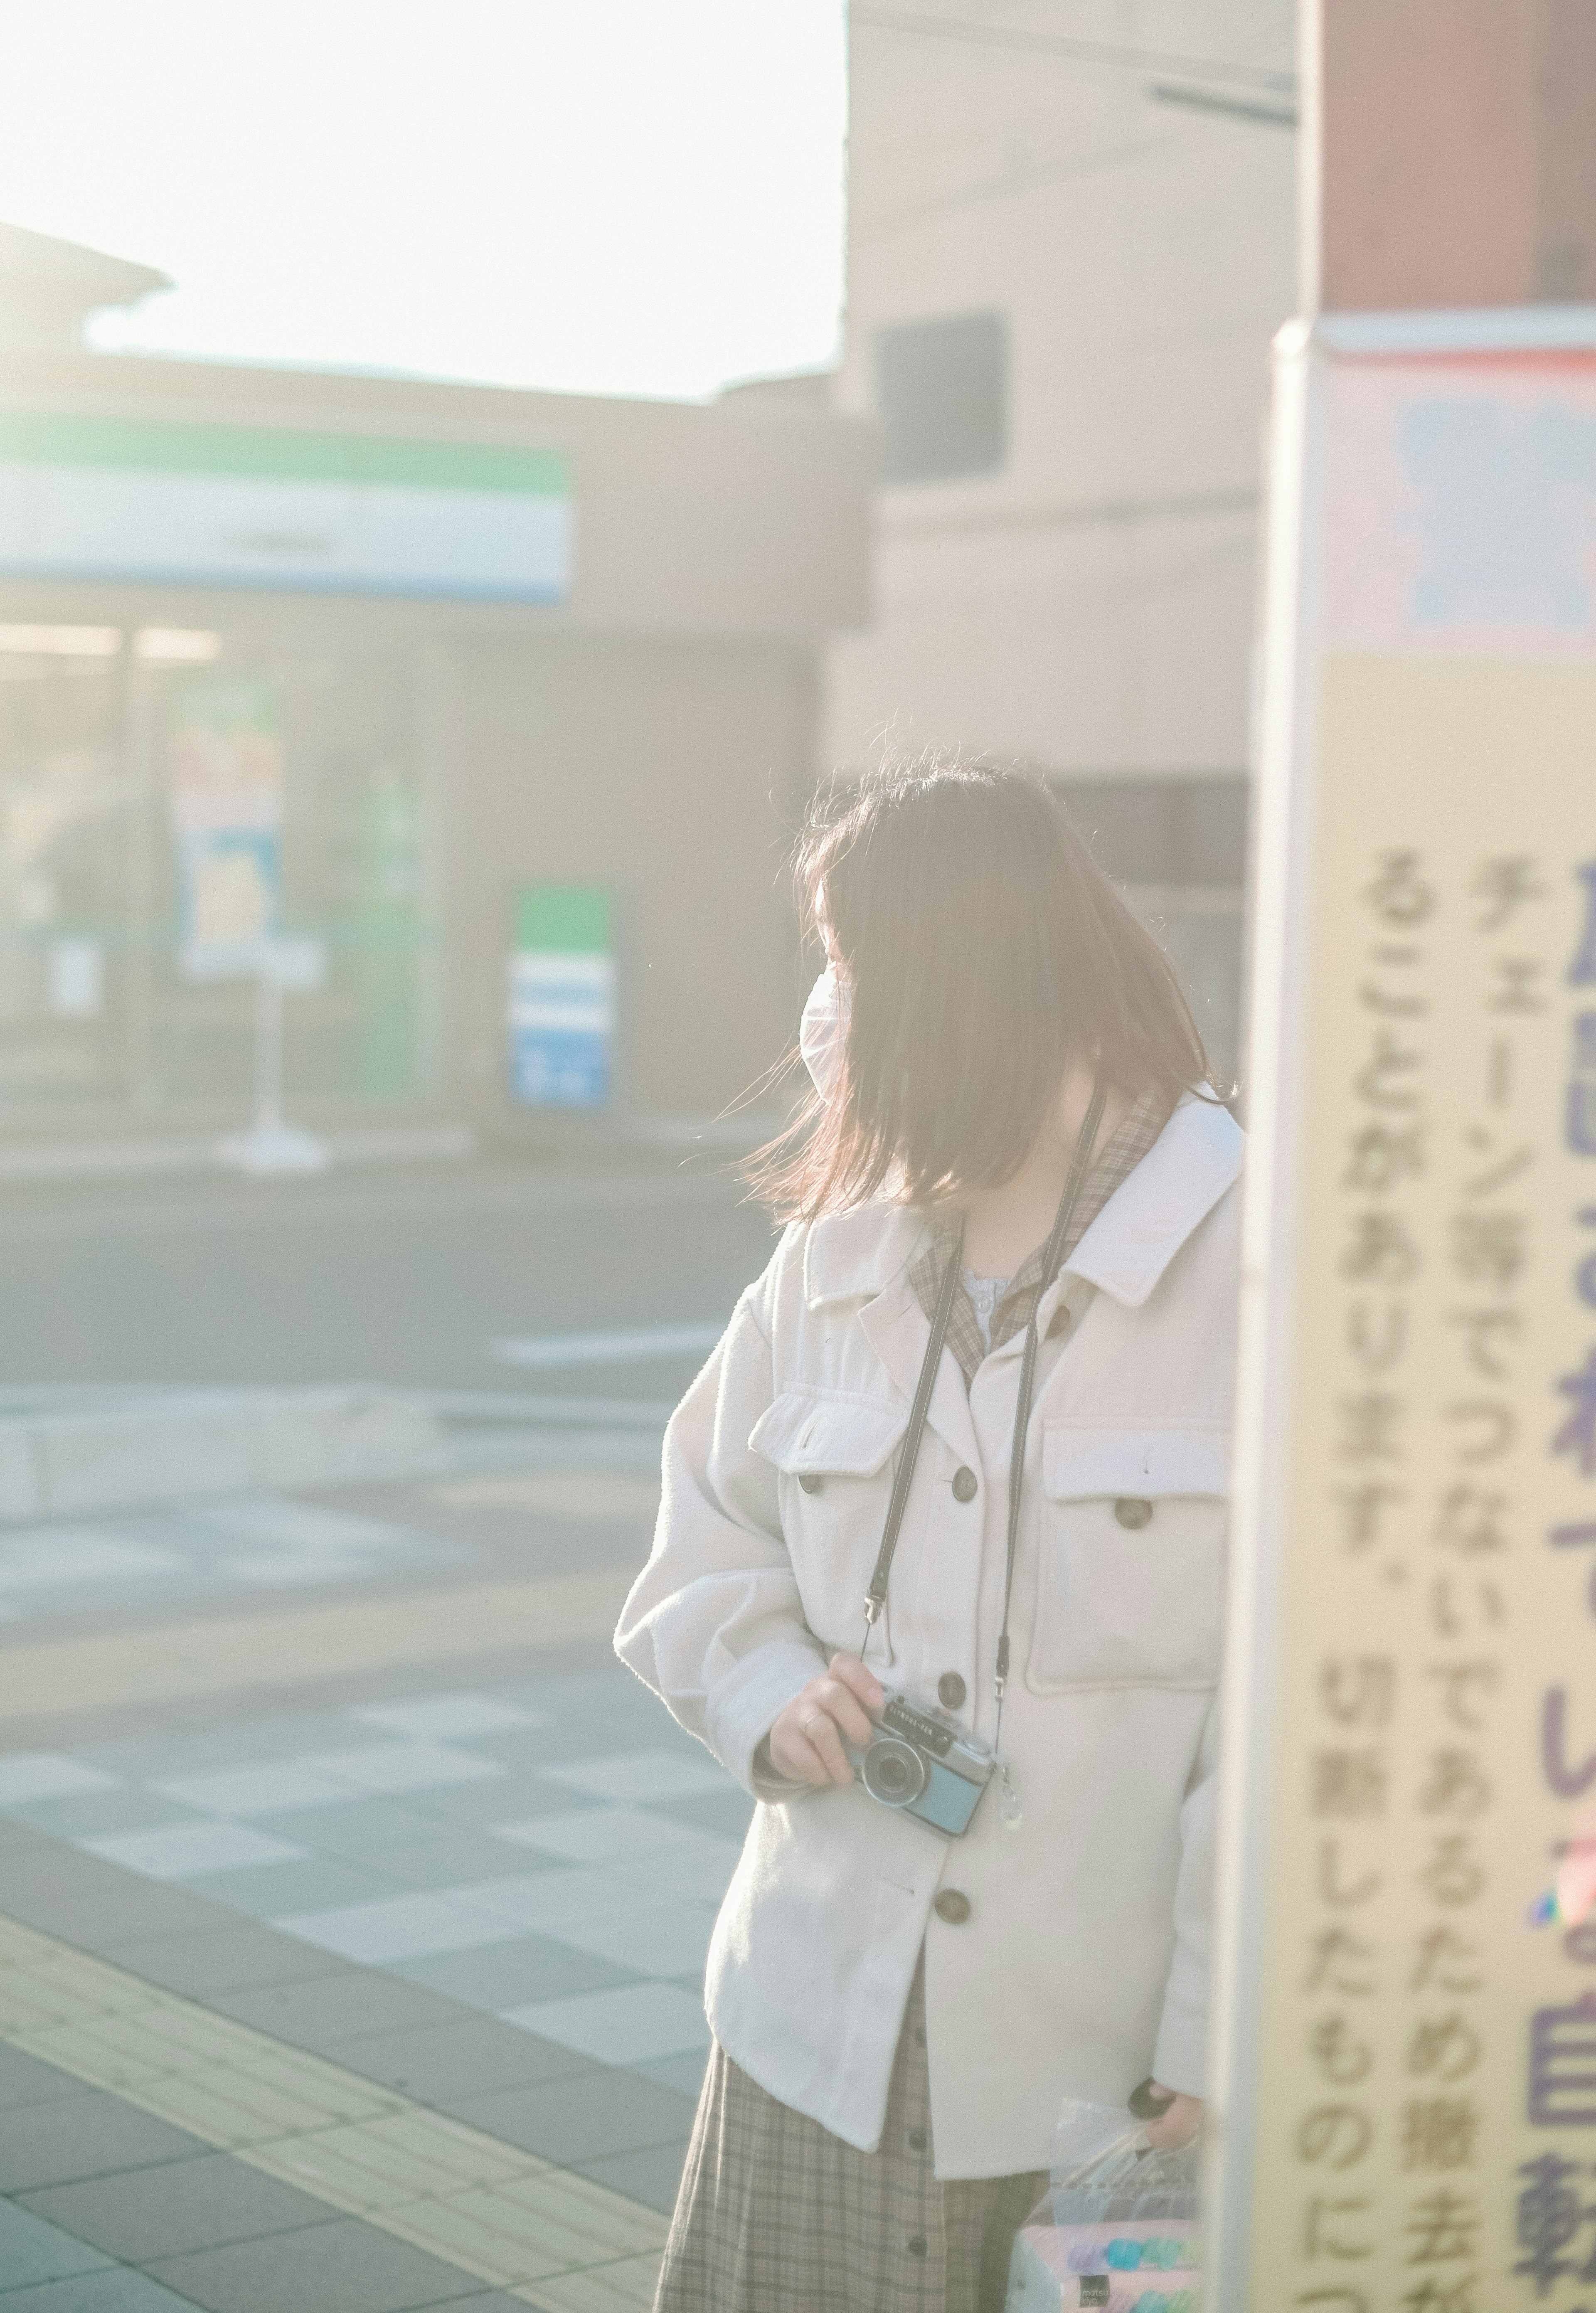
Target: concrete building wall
(1082, 603)
(1088, 604)
(672, 772)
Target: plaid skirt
(776, 2216)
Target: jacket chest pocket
(1130, 1577)
(834, 1460)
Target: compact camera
(925, 1763)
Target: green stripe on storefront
(571, 919)
(262, 453)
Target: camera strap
(875, 1597)
(1052, 1256)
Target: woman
(1014, 1151)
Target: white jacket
(1082, 1965)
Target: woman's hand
(1177, 2123)
(806, 1742)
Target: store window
(942, 393)
(168, 799)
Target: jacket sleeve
(1179, 2059)
(714, 1623)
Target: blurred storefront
(351, 666)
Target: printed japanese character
(1456, 1785)
(1377, 1342)
(1501, 1071)
(1328, 2230)
(1387, 1004)
(1454, 1604)
(1488, 1247)
(1399, 894)
(1585, 1276)
(1444, 2046)
(1370, 1422)
(1567, 1781)
(1337, 1954)
(1563, 2065)
(1579, 1944)
(1481, 1328)
(1466, 1686)
(1582, 971)
(1472, 1521)
(1341, 2056)
(1548, 2216)
(1579, 1116)
(1579, 1101)
(1442, 1953)
(1349, 1784)
(1518, 989)
(1382, 1156)
(1334, 2136)
(1432, 2296)
(1384, 1082)
(1331, 1891)
(1574, 1537)
(1441, 2226)
(1358, 1690)
(1503, 885)
(1381, 1252)
(1334, 2301)
(1453, 1875)
(1439, 2132)
(1363, 1508)
(1578, 1434)
(1499, 1171)
(1492, 1422)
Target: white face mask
(824, 1028)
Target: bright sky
(640, 197)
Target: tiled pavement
(482, 1893)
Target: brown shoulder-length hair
(985, 952)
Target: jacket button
(1059, 1323)
(916, 2246)
(965, 1484)
(1131, 1512)
(917, 2140)
(952, 1906)
(951, 1689)
(808, 1482)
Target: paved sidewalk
(349, 1985)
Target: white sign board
(1405, 2109)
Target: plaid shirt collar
(1124, 1151)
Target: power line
(1058, 44)
(997, 188)
(1231, 108)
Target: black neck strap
(1080, 1164)
(875, 1597)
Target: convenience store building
(494, 709)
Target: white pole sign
(1406, 2094)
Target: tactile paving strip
(539, 2232)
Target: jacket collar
(856, 1255)
(1195, 1160)
(849, 1256)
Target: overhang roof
(36, 268)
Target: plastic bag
(1117, 2227)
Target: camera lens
(894, 1771)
